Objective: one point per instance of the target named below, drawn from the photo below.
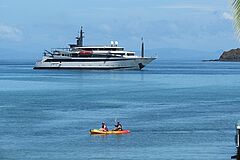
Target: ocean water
(177, 110)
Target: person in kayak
(118, 127)
(104, 127)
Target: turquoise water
(175, 110)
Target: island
(230, 56)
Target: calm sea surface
(175, 110)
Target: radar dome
(112, 43)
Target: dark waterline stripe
(84, 60)
(93, 68)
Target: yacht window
(119, 49)
(130, 54)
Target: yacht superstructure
(78, 56)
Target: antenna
(142, 49)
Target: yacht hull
(93, 63)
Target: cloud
(227, 16)
(10, 33)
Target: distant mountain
(182, 54)
(161, 53)
(16, 55)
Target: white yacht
(78, 56)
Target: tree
(236, 15)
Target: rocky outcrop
(231, 56)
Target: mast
(80, 38)
(142, 49)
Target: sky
(28, 27)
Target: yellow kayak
(97, 131)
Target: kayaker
(104, 127)
(118, 127)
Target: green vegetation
(236, 15)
